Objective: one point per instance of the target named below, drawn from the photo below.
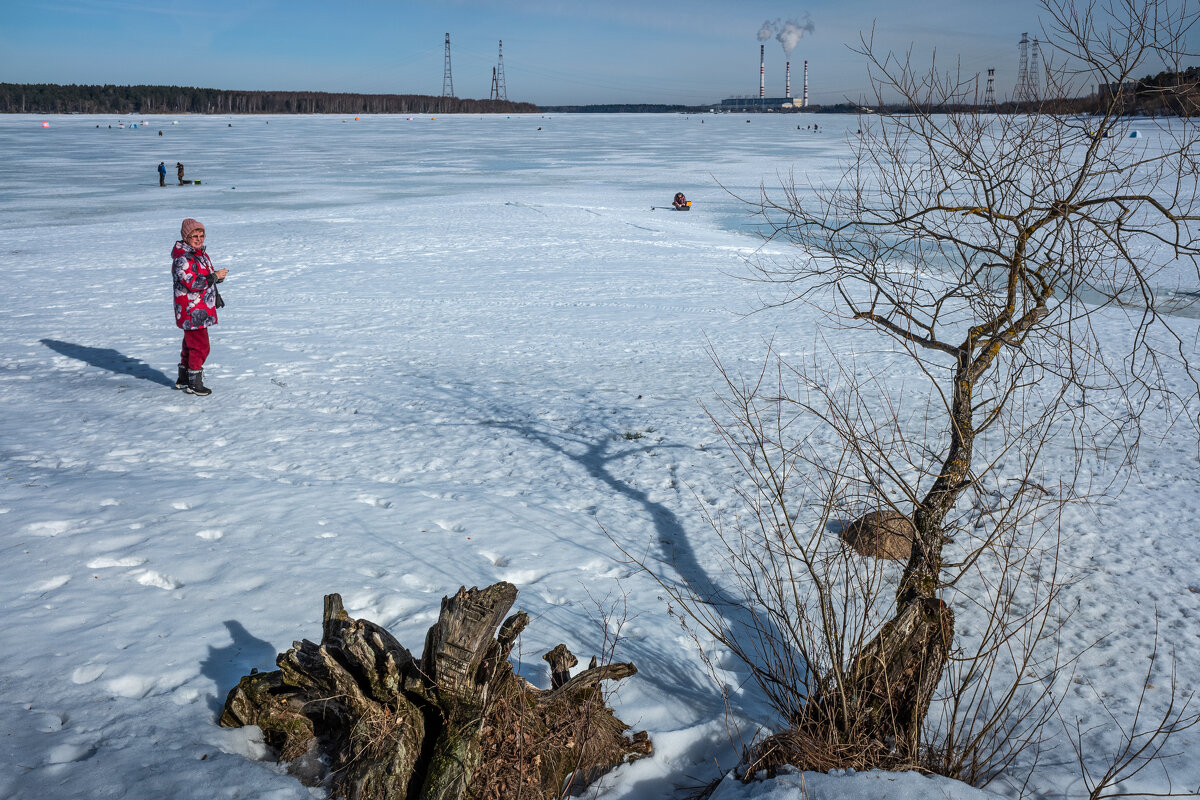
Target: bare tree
(1026, 266)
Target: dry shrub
(528, 743)
(814, 749)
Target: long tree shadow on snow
(109, 359)
(675, 549)
(677, 553)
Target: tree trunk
(871, 718)
(892, 680)
(922, 575)
(873, 708)
(391, 727)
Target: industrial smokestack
(762, 71)
(804, 102)
(788, 86)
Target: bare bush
(998, 292)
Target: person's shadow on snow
(225, 666)
(109, 359)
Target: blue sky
(692, 51)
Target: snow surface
(456, 350)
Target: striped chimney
(762, 71)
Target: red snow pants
(195, 349)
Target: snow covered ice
(455, 350)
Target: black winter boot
(182, 381)
(196, 383)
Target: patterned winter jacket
(195, 287)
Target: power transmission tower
(1035, 72)
(495, 95)
(1024, 91)
(447, 78)
(501, 89)
(989, 94)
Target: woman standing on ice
(196, 303)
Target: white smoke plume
(787, 33)
(791, 32)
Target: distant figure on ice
(179, 171)
(196, 303)
(681, 203)
(162, 174)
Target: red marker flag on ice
(45, 124)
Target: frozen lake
(456, 350)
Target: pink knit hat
(188, 226)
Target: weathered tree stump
(358, 712)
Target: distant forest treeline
(51, 98)
(625, 108)
(1165, 94)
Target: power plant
(762, 102)
(788, 33)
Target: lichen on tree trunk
(456, 723)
